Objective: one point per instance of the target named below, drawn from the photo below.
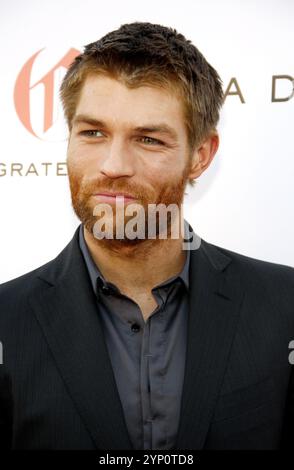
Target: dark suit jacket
(57, 387)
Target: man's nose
(118, 160)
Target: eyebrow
(148, 128)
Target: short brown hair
(150, 54)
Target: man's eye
(146, 140)
(150, 140)
(90, 133)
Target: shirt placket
(147, 381)
(146, 387)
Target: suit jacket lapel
(66, 309)
(215, 298)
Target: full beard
(83, 203)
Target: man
(138, 342)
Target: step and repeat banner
(242, 202)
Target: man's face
(138, 146)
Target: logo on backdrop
(36, 102)
(37, 105)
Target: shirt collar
(95, 273)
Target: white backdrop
(242, 202)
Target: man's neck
(138, 268)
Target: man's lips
(112, 196)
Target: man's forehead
(105, 88)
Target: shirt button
(106, 290)
(135, 327)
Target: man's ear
(203, 155)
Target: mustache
(95, 186)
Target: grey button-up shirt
(148, 358)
